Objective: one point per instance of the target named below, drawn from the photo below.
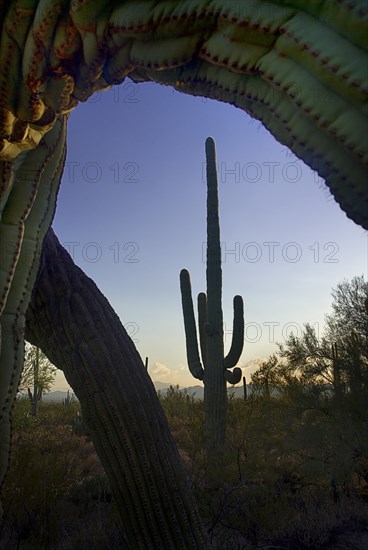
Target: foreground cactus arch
(299, 67)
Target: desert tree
(37, 377)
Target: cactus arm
(234, 376)
(202, 323)
(238, 335)
(296, 66)
(194, 361)
(75, 326)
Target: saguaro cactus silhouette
(214, 368)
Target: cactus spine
(214, 367)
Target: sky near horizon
(132, 212)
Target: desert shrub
(185, 417)
(254, 515)
(294, 475)
(97, 528)
(47, 460)
(287, 475)
(91, 491)
(178, 403)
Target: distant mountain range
(197, 391)
(162, 387)
(55, 396)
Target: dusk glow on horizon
(132, 213)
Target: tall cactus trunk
(215, 396)
(34, 400)
(36, 395)
(73, 323)
(27, 204)
(215, 400)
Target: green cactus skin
(75, 326)
(299, 67)
(25, 219)
(214, 368)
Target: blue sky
(132, 211)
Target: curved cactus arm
(237, 341)
(344, 172)
(75, 326)
(234, 376)
(194, 362)
(299, 67)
